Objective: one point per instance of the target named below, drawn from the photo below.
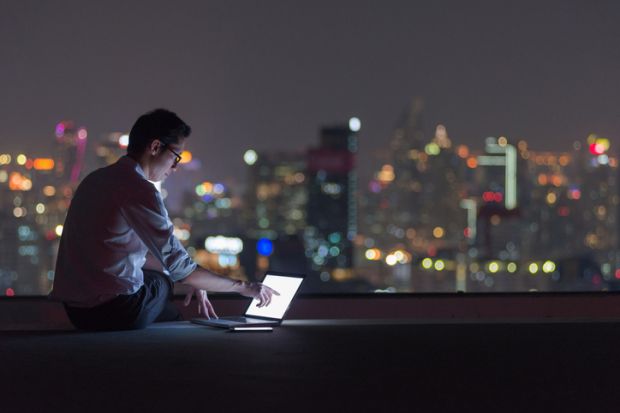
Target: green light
(493, 267)
(427, 263)
(548, 267)
(335, 237)
(200, 190)
(432, 149)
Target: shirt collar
(129, 162)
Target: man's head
(157, 139)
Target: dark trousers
(151, 303)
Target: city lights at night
(419, 185)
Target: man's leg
(161, 285)
(152, 302)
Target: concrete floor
(320, 365)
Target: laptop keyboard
(237, 319)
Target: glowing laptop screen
(286, 286)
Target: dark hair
(159, 124)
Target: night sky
(267, 74)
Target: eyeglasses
(177, 159)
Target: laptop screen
(287, 286)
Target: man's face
(166, 160)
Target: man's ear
(155, 147)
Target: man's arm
(202, 279)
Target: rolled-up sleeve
(146, 214)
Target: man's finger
(188, 299)
(211, 309)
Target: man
(118, 257)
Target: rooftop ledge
(39, 313)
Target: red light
(467, 232)
(563, 211)
(618, 274)
(492, 196)
(597, 149)
(574, 194)
(432, 251)
(9, 292)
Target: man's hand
(204, 305)
(259, 291)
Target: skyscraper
(332, 203)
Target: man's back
(100, 254)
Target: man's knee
(158, 284)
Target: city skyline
(408, 228)
(268, 76)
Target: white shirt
(116, 216)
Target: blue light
(264, 246)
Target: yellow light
(438, 232)
(21, 159)
(591, 138)
(386, 174)
(511, 267)
(58, 230)
(427, 263)
(186, 157)
(123, 141)
(373, 254)
(5, 159)
(533, 268)
(49, 190)
(40, 208)
(391, 260)
(604, 143)
(493, 267)
(399, 255)
(548, 267)
(502, 141)
(43, 164)
(440, 265)
(551, 198)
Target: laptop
(286, 284)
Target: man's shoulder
(118, 178)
